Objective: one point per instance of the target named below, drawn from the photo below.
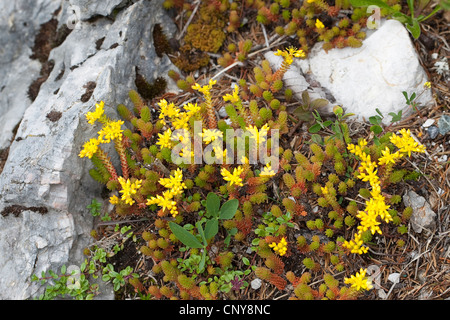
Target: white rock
(256, 284)
(428, 123)
(394, 277)
(372, 76)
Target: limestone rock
(373, 75)
(85, 9)
(19, 24)
(44, 186)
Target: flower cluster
(111, 130)
(267, 171)
(175, 187)
(319, 24)
(376, 205)
(170, 112)
(359, 281)
(128, 190)
(289, 54)
(206, 90)
(280, 247)
(233, 178)
(406, 143)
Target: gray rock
(423, 216)
(43, 173)
(85, 9)
(444, 124)
(433, 132)
(19, 24)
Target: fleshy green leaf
(184, 236)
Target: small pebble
(223, 113)
(428, 123)
(256, 284)
(444, 124)
(433, 131)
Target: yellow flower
(175, 187)
(319, 24)
(182, 121)
(165, 139)
(267, 171)
(368, 222)
(114, 199)
(167, 110)
(258, 135)
(289, 54)
(204, 89)
(89, 148)
(324, 190)
(165, 202)
(191, 109)
(233, 98)
(233, 178)
(110, 131)
(209, 135)
(427, 85)
(174, 182)
(359, 281)
(129, 189)
(388, 157)
(280, 248)
(97, 114)
(406, 143)
(356, 245)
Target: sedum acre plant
(224, 202)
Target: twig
(189, 21)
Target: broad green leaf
(303, 115)
(212, 204)
(319, 103)
(327, 123)
(315, 128)
(211, 228)
(228, 209)
(403, 18)
(374, 120)
(376, 129)
(185, 236)
(396, 117)
(305, 97)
